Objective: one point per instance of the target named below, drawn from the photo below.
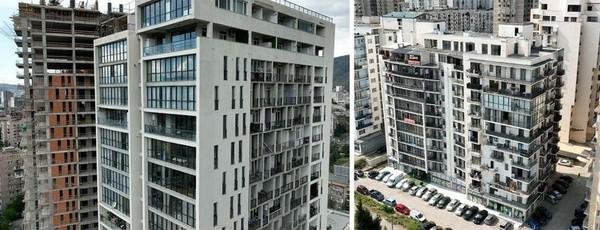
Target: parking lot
(563, 211)
(441, 217)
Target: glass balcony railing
(170, 47)
(171, 132)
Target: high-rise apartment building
(574, 26)
(512, 11)
(11, 175)
(458, 20)
(230, 104)
(476, 113)
(56, 57)
(592, 196)
(377, 7)
(367, 116)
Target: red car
(362, 190)
(402, 209)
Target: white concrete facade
(573, 25)
(499, 95)
(234, 115)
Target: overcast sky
(337, 9)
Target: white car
(413, 190)
(386, 178)
(565, 162)
(406, 186)
(399, 185)
(452, 205)
(557, 194)
(435, 199)
(459, 211)
(421, 192)
(429, 194)
(417, 215)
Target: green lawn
(387, 213)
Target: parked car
(559, 188)
(557, 194)
(533, 224)
(565, 162)
(362, 190)
(421, 192)
(407, 185)
(390, 202)
(443, 202)
(386, 177)
(452, 205)
(402, 209)
(429, 194)
(372, 174)
(382, 175)
(417, 215)
(505, 225)
(376, 195)
(567, 178)
(470, 213)
(543, 210)
(395, 178)
(359, 173)
(539, 217)
(413, 190)
(399, 184)
(490, 220)
(480, 216)
(551, 198)
(461, 209)
(428, 225)
(563, 183)
(437, 197)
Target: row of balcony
(287, 101)
(171, 132)
(259, 76)
(256, 127)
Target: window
(112, 74)
(244, 124)
(232, 157)
(223, 185)
(164, 10)
(544, 6)
(113, 52)
(115, 200)
(235, 180)
(113, 96)
(241, 97)
(173, 153)
(237, 68)
(496, 50)
(243, 176)
(177, 181)
(240, 151)
(237, 126)
(216, 156)
(215, 220)
(574, 8)
(216, 98)
(114, 139)
(172, 206)
(171, 97)
(238, 6)
(114, 159)
(115, 180)
(224, 126)
(231, 207)
(232, 97)
(180, 68)
(225, 68)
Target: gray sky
(337, 9)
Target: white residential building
(475, 113)
(573, 25)
(224, 120)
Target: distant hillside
(11, 88)
(341, 71)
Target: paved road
(440, 216)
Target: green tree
(364, 220)
(360, 164)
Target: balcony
(170, 47)
(113, 122)
(171, 132)
(315, 175)
(255, 177)
(318, 99)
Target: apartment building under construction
(55, 57)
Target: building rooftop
(404, 14)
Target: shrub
(360, 164)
